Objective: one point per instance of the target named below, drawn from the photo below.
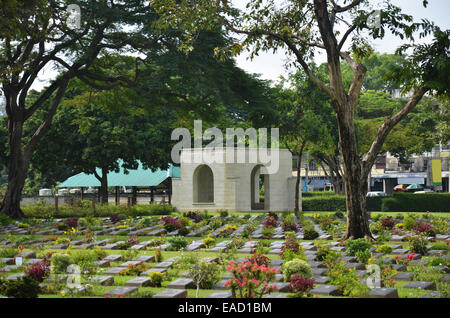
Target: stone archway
(259, 182)
(203, 186)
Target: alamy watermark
(73, 20)
(235, 150)
(374, 20)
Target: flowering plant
(227, 230)
(134, 269)
(386, 278)
(404, 260)
(158, 256)
(88, 236)
(250, 279)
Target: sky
(271, 66)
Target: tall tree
(37, 34)
(303, 27)
(86, 135)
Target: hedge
(45, 211)
(409, 202)
(399, 202)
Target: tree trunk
(299, 178)
(17, 171)
(103, 190)
(355, 179)
(297, 185)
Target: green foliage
(156, 278)
(105, 210)
(205, 274)
(4, 220)
(418, 244)
(8, 252)
(409, 222)
(324, 203)
(310, 233)
(354, 246)
(236, 243)
(322, 252)
(23, 287)
(398, 202)
(177, 243)
(59, 263)
(440, 246)
(363, 256)
(209, 241)
(408, 202)
(296, 267)
(386, 249)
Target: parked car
(376, 194)
(424, 191)
(401, 187)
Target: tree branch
(387, 126)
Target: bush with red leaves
(71, 223)
(171, 223)
(423, 227)
(301, 286)
(387, 222)
(269, 222)
(39, 271)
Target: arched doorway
(203, 185)
(259, 189)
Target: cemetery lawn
(96, 240)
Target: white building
(224, 185)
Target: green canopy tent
(134, 178)
(414, 186)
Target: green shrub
(322, 252)
(339, 214)
(8, 252)
(409, 222)
(386, 249)
(296, 267)
(418, 244)
(177, 243)
(363, 256)
(105, 210)
(4, 219)
(399, 202)
(204, 274)
(209, 241)
(353, 246)
(23, 287)
(59, 263)
(237, 242)
(310, 234)
(376, 227)
(409, 202)
(156, 278)
(324, 203)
